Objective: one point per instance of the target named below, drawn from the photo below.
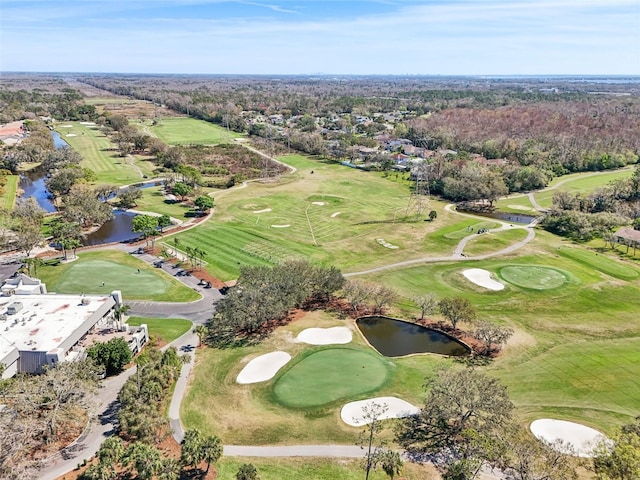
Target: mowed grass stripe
(600, 262)
(599, 375)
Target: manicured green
(101, 156)
(8, 197)
(164, 329)
(537, 278)
(119, 271)
(189, 131)
(600, 262)
(324, 376)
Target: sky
(341, 37)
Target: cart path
(458, 253)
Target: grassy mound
(328, 375)
(602, 263)
(163, 329)
(534, 277)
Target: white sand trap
(386, 244)
(576, 438)
(352, 414)
(482, 278)
(325, 336)
(319, 203)
(264, 210)
(87, 123)
(333, 215)
(280, 226)
(263, 368)
(71, 135)
(521, 207)
(66, 126)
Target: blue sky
(430, 37)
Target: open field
(587, 314)
(8, 197)
(315, 469)
(163, 329)
(118, 271)
(329, 216)
(187, 131)
(101, 156)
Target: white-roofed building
(38, 329)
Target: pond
(120, 229)
(504, 216)
(396, 338)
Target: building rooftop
(43, 322)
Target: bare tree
(427, 303)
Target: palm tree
(111, 451)
(119, 312)
(211, 450)
(191, 453)
(201, 331)
(169, 470)
(145, 458)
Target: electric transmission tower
(419, 198)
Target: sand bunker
(318, 203)
(576, 439)
(482, 278)
(263, 368)
(352, 414)
(280, 226)
(385, 244)
(71, 135)
(325, 336)
(66, 126)
(87, 123)
(333, 215)
(264, 210)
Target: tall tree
(620, 458)
(461, 424)
(145, 224)
(456, 310)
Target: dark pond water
(32, 183)
(396, 338)
(117, 230)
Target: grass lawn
(601, 263)
(331, 374)
(101, 156)
(494, 241)
(189, 131)
(164, 329)
(153, 200)
(119, 271)
(567, 338)
(315, 469)
(258, 419)
(8, 197)
(330, 217)
(516, 204)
